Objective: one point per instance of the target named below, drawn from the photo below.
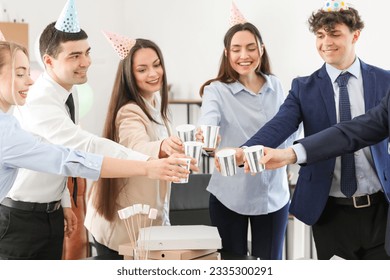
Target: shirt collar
(63, 92)
(354, 69)
(237, 87)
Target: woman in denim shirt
(243, 97)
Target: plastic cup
(253, 156)
(186, 164)
(227, 162)
(193, 149)
(210, 136)
(186, 132)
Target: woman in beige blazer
(137, 118)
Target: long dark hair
(125, 90)
(226, 73)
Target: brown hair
(328, 20)
(226, 73)
(125, 90)
(51, 39)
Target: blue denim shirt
(240, 113)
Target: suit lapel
(369, 86)
(327, 94)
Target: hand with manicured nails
(169, 169)
(171, 145)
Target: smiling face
(244, 53)
(13, 90)
(337, 46)
(71, 65)
(148, 71)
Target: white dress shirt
(46, 115)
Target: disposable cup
(253, 156)
(186, 164)
(227, 162)
(210, 136)
(186, 132)
(193, 149)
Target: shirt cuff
(92, 162)
(300, 152)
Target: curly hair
(328, 20)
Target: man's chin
(81, 81)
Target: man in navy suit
(349, 227)
(346, 137)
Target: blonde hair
(7, 55)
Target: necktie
(348, 183)
(70, 103)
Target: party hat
(334, 6)
(68, 21)
(2, 38)
(236, 16)
(121, 44)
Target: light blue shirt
(20, 149)
(367, 179)
(240, 113)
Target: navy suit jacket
(311, 101)
(368, 129)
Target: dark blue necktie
(70, 103)
(348, 183)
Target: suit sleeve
(350, 136)
(283, 124)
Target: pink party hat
(236, 16)
(2, 38)
(121, 44)
(335, 6)
(68, 21)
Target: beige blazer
(137, 132)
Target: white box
(126, 250)
(179, 238)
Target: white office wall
(190, 34)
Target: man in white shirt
(66, 59)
